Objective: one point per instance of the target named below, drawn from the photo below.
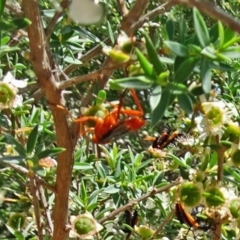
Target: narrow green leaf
(220, 34)
(153, 56)
(155, 97)
(201, 28)
(19, 235)
(205, 73)
(112, 189)
(178, 160)
(231, 42)
(2, 5)
(82, 166)
(144, 63)
(177, 48)
(170, 27)
(177, 88)
(32, 140)
(185, 103)
(232, 52)
(16, 145)
(21, 23)
(83, 193)
(110, 32)
(50, 152)
(214, 33)
(137, 82)
(185, 69)
(223, 57)
(159, 110)
(209, 52)
(101, 171)
(182, 29)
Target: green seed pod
(190, 194)
(16, 221)
(235, 157)
(144, 231)
(214, 197)
(235, 208)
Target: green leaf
(201, 28)
(153, 56)
(83, 193)
(232, 52)
(72, 60)
(21, 23)
(220, 34)
(182, 29)
(177, 48)
(177, 88)
(12, 159)
(155, 97)
(159, 110)
(231, 42)
(19, 235)
(185, 69)
(110, 32)
(112, 189)
(170, 27)
(50, 152)
(205, 73)
(32, 139)
(17, 146)
(146, 66)
(209, 52)
(82, 166)
(2, 5)
(185, 103)
(4, 121)
(137, 82)
(178, 160)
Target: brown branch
(44, 69)
(142, 198)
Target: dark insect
(131, 220)
(164, 139)
(192, 221)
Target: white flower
(216, 114)
(8, 91)
(84, 226)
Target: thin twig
(166, 220)
(36, 207)
(26, 172)
(134, 202)
(45, 206)
(64, 4)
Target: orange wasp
(115, 124)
